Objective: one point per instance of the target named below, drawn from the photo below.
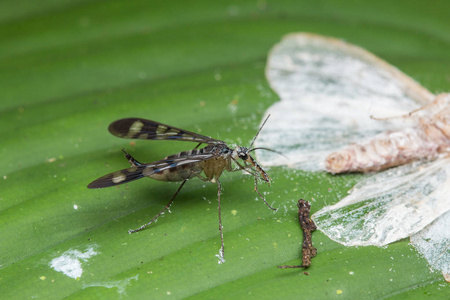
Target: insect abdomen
(180, 171)
(386, 150)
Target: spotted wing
(147, 170)
(136, 128)
(118, 177)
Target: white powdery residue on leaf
(434, 244)
(119, 284)
(70, 262)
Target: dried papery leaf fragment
(329, 91)
(308, 226)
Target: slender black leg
(131, 159)
(161, 212)
(221, 255)
(261, 196)
(245, 168)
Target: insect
(426, 139)
(329, 90)
(207, 163)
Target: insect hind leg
(131, 159)
(161, 212)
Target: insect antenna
(263, 148)
(268, 149)
(259, 130)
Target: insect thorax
(221, 161)
(190, 167)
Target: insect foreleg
(261, 196)
(161, 212)
(245, 168)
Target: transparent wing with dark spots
(136, 128)
(118, 177)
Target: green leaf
(69, 68)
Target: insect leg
(409, 114)
(219, 193)
(222, 249)
(131, 159)
(198, 145)
(261, 196)
(161, 212)
(245, 168)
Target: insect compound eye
(243, 155)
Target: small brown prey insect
(211, 160)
